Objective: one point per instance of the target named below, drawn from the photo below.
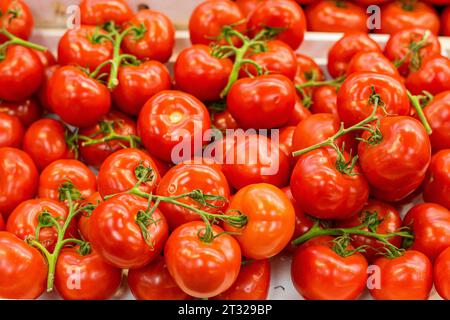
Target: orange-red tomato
(436, 188)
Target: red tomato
(437, 183)
(158, 39)
(433, 76)
(199, 73)
(271, 219)
(154, 282)
(408, 277)
(286, 135)
(11, 131)
(24, 271)
(171, 117)
(2, 223)
(445, 22)
(324, 100)
(78, 99)
(248, 6)
(17, 172)
(442, 274)
(223, 120)
(373, 61)
(337, 278)
(21, 73)
(98, 12)
(299, 113)
(43, 93)
(370, 2)
(430, 224)
(335, 16)
(206, 269)
(121, 171)
(307, 67)
(84, 216)
(280, 14)
(28, 111)
(19, 24)
(252, 282)
(46, 57)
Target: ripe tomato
(43, 93)
(207, 268)
(28, 111)
(85, 277)
(158, 39)
(154, 282)
(430, 224)
(262, 102)
(408, 277)
(248, 6)
(445, 22)
(2, 223)
(437, 183)
(98, 12)
(84, 216)
(17, 172)
(122, 170)
(21, 73)
(171, 117)
(11, 131)
(78, 99)
(337, 278)
(199, 73)
(343, 50)
(280, 14)
(433, 76)
(24, 271)
(370, 2)
(373, 61)
(324, 100)
(46, 141)
(299, 113)
(116, 231)
(223, 120)
(336, 16)
(286, 135)
(46, 57)
(271, 219)
(19, 24)
(442, 274)
(252, 282)
(307, 67)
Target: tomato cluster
(191, 182)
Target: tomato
(398, 15)
(171, 117)
(271, 219)
(84, 216)
(335, 16)
(442, 273)
(436, 188)
(370, 2)
(154, 282)
(307, 67)
(280, 14)
(337, 278)
(158, 39)
(43, 93)
(206, 269)
(17, 172)
(252, 282)
(344, 49)
(445, 22)
(122, 170)
(437, 2)
(63, 171)
(184, 178)
(19, 24)
(430, 224)
(324, 100)
(286, 135)
(11, 131)
(199, 73)
(85, 277)
(23, 221)
(248, 6)
(98, 12)
(398, 48)
(262, 102)
(78, 99)
(433, 76)
(355, 97)
(208, 19)
(28, 111)
(389, 222)
(373, 61)
(408, 277)
(299, 113)
(223, 120)
(2, 223)
(24, 271)
(94, 155)
(46, 57)
(21, 73)
(46, 141)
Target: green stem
(416, 104)
(13, 40)
(312, 83)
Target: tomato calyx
(144, 219)
(408, 5)
(72, 141)
(415, 60)
(341, 244)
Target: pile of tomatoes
(95, 188)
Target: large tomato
(99, 12)
(16, 17)
(28, 111)
(437, 113)
(442, 274)
(11, 131)
(436, 188)
(432, 76)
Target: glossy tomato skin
(433, 76)
(252, 282)
(11, 131)
(46, 57)
(28, 111)
(16, 163)
(306, 65)
(24, 271)
(262, 102)
(271, 219)
(248, 6)
(206, 269)
(430, 224)
(21, 73)
(286, 135)
(118, 239)
(436, 188)
(280, 14)
(199, 73)
(373, 61)
(442, 274)
(184, 178)
(170, 117)
(337, 278)
(299, 113)
(397, 165)
(325, 100)
(78, 99)
(154, 282)
(98, 12)
(2, 223)
(118, 172)
(158, 40)
(45, 142)
(43, 92)
(223, 120)
(437, 113)
(84, 216)
(96, 280)
(408, 277)
(445, 22)
(22, 25)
